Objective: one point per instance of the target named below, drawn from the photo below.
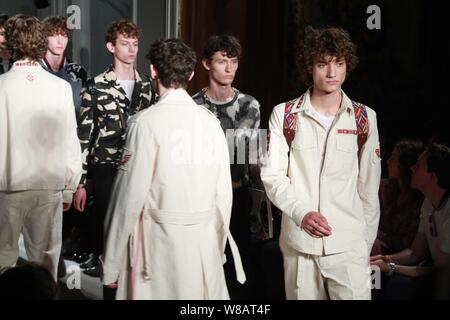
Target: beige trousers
(342, 276)
(38, 216)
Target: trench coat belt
(180, 218)
(240, 274)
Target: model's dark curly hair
(319, 43)
(124, 27)
(25, 38)
(222, 43)
(174, 60)
(56, 25)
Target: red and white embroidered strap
(290, 121)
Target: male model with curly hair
(40, 162)
(323, 173)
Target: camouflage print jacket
(103, 145)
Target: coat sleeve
(369, 180)
(274, 171)
(224, 193)
(129, 192)
(85, 129)
(73, 155)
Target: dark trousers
(75, 224)
(103, 178)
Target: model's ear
(111, 48)
(154, 74)
(192, 75)
(206, 64)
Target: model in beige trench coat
(168, 219)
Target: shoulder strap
(362, 123)
(290, 119)
(92, 89)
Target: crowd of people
(131, 177)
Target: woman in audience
(400, 205)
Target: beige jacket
(175, 165)
(39, 147)
(323, 173)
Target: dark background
(403, 72)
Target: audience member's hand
(380, 257)
(316, 225)
(381, 263)
(66, 206)
(79, 200)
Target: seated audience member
(408, 278)
(400, 204)
(27, 282)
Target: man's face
(125, 49)
(57, 44)
(222, 69)
(421, 177)
(329, 73)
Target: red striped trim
(345, 131)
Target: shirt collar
(111, 76)
(26, 64)
(305, 104)
(46, 65)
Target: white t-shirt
(128, 86)
(441, 224)
(327, 121)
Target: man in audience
(408, 278)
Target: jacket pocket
(347, 144)
(304, 142)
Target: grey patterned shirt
(242, 112)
